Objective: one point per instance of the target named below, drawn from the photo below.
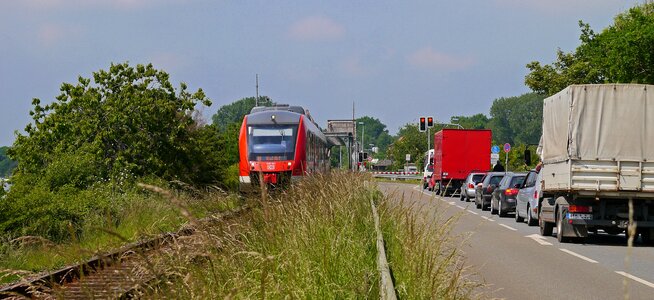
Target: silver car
(527, 199)
(468, 186)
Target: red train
(280, 143)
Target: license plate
(575, 216)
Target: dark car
(485, 188)
(503, 199)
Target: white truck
(597, 150)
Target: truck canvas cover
(599, 122)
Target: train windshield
(271, 142)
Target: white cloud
(352, 66)
(170, 62)
(316, 28)
(52, 34)
(428, 58)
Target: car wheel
(530, 219)
(492, 208)
(518, 218)
(501, 213)
(559, 227)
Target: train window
(271, 142)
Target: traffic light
(423, 124)
(430, 122)
(365, 156)
(360, 157)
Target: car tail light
(471, 186)
(511, 192)
(580, 209)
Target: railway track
(115, 275)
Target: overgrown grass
(423, 255)
(135, 214)
(315, 241)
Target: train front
(268, 142)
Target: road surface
(516, 262)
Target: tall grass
(422, 252)
(314, 241)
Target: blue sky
(396, 60)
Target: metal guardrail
(397, 175)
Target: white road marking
(508, 227)
(539, 239)
(578, 255)
(472, 212)
(487, 218)
(451, 203)
(643, 281)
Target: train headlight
(289, 164)
(272, 118)
(252, 165)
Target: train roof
(281, 110)
(286, 107)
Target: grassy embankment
(316, 240)
(128, 216)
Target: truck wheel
(530, 220)
(545, 227)
(559, 227)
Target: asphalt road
(516, 262)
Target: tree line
(621, 53)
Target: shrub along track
(118, 274)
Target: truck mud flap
(573, 229)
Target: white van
(428, 163)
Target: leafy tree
(234, 112)
(375, 133)
(478, 121)
(621, 53)
(129, 122)
(82, 153)
(6, 164)
(517, 120)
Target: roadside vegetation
(424, 256)
(314, 241)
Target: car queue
(504, 193)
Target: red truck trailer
(458, 152)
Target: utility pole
(256, 100)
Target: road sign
(495, 149)
(507, 147)
(408, 157)
(494, 157)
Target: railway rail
(110, 275)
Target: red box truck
(458, 152)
